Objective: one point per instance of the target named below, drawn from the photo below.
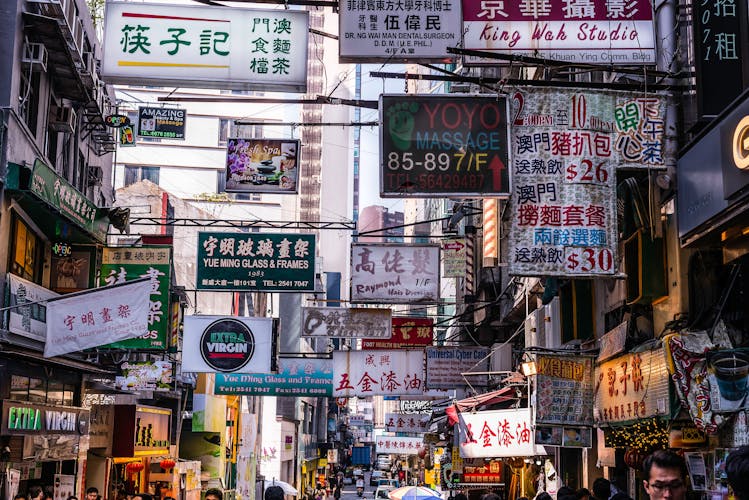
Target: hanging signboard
(28, 313)
(566, 437)
(141, 431)
(296, 377)
(369, 373)
(262, 262)
(398, 445)
(205, 47)
(120, 265)
(454, 258)
(397, 422)
(451, 145)
(408, 407)
(127, 136)
(163, 123)
(340, 322)
(631, 387)
(418, 31)
(22, 418)
(406, 332)
(395, 273)
(564, 390)
(222, 344)
(145, 376)
(498, 433)
(597, 31)
(262, 166)
(567, 147)
(445, 366)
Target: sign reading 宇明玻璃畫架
(162, 123)
(205, 47)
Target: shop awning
(59, 361)
(489, 398)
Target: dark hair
(490, 496)
(144, 496)
(521, 498)
(543, 496)
(92, 489)
(582, 492)
(565, 491)
(602, 488)
(462, 496)
(620, 496)
(19, 496)
(665, 459)
(737, 470)
(35, 491)
(72, 497)
(274, 493)
(215, 492)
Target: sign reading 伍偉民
(259, 262)
(432, 146)
(164, 123)
(205, 47)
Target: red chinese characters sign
(369, 373)
(499, 433)
(399, 422)
(399, 445)
(406, 332)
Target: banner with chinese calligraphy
(406, 332)
(97, 317)
(564, 390)
(119, 265)
(340, 322)
(419, 31)
(262, 166)
(296, 377)
(590, 31)
(567, 145)
(262, 262)
(498, 433)
(445, 366)
(395, 273)
(416, 422)
(631, 387)
(370, 373)
(205, 47)
(398, 445)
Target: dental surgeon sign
(218, 344)
(452, 145)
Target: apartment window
(28, 106)
(38, 390)
(25, 261)
(137, 174)
(228, 129)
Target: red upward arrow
(497, 166)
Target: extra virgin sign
(433, 146)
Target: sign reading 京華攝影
(448, 367)
(340, 322)
(399, 422)
(205, 47)
(297, 377)
(406, 332)
(394, 273)
(257, 261)
(163, 123)
(142, 431)
(433, 146)
(564, 390)
(631, 387)
(370, 373)
(418, 31)
(567, 145)
(497, 433)
(119, 265)
(595, 31)
(399, 445)
(22, 418)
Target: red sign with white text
(406, 332)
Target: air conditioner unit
(645, 267)
(535, 335)
(63, 120)
(35, 56)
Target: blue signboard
(298, 377)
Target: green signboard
(61, 195)
(257, 261)
(154, 262)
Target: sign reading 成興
(205, 47)
(432, 146)
(163, 123)
(258, 261)
(355, 322)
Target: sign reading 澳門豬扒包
(567, 145)
(394, 273)
(448, 367)
(297, 377)
(340, 322)
(432, 146)
(205, 47)
(406, 332)
(590, 31)
(119, 265)
(369, 373)
(417, 31)
(399, 445)
(498, 433)
(564, 390)
(164, 123)
(257, 261)
(262, 166)
(399, 422)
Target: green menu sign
(257, 261)
(56, 191)
(124, 264)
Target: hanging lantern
(134, 467)
(167, 463)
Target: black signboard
(434, 146)
(163, 123)
(720, 37)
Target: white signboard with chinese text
(444, 366)
(208, 47)
(631, 387)
(393, 273)
(498, 433)
(399, 445)
(567, 145)
(27, 316)
(90, 319)
(369, 373)
(355, 322)
(375, 31)
(578, 31)
(415, 422)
